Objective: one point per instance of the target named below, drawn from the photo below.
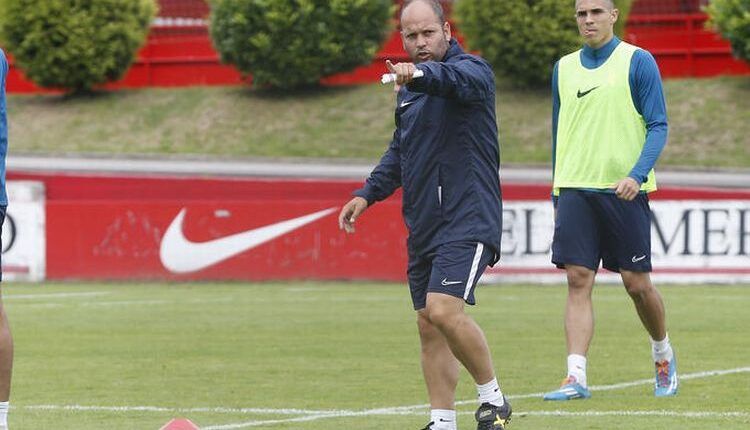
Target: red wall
(683, 46)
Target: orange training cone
(180, 424)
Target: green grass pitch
(315, 356)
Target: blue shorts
(452, 268)
(595, 226)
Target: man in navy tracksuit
(445, 155)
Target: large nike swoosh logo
(179, 255)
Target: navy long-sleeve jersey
(445, 155)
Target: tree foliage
(74, 44)
(524, 38)
(520, 38)
(294, 43)
(732, 19)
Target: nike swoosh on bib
(583, 93)
(180, 255)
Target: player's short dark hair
(612, 3)
(434, 4)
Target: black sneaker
(429, 425)
(491, 417)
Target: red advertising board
(172, 228)
(114, 228)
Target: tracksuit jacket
(445, 155)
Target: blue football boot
(569, 390)
(666, 378)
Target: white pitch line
(411, 409)
(342, 414)
(53, 295)
(312, 415)
(126, 303)
(660, 413)
(621, 385)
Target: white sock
(577, 368)
(4, 414)
(490, 393)
(443, 419)
(661, 350)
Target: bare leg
(6, 355)
(579, 311)
(439, 366)
(648, 302)
(464, 337)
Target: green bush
(732, 19)
(294, 43)
(74, 44)
(523, 38)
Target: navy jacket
(445, 155)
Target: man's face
(596, 20)
(425, 38)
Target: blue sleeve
(4, 62)
(648, 98)
(385, 178)
(555, 118)
(468, 80)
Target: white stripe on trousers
(474, 266)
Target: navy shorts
(595, 226)
(452, 268)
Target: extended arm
(468, 80)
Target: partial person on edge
(609, 126)
(445, 156)
(6, 340)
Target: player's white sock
(577, 368)
(4, 415)
(443, 419)
(490, 393)
(661, 350)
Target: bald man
(445, 156)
